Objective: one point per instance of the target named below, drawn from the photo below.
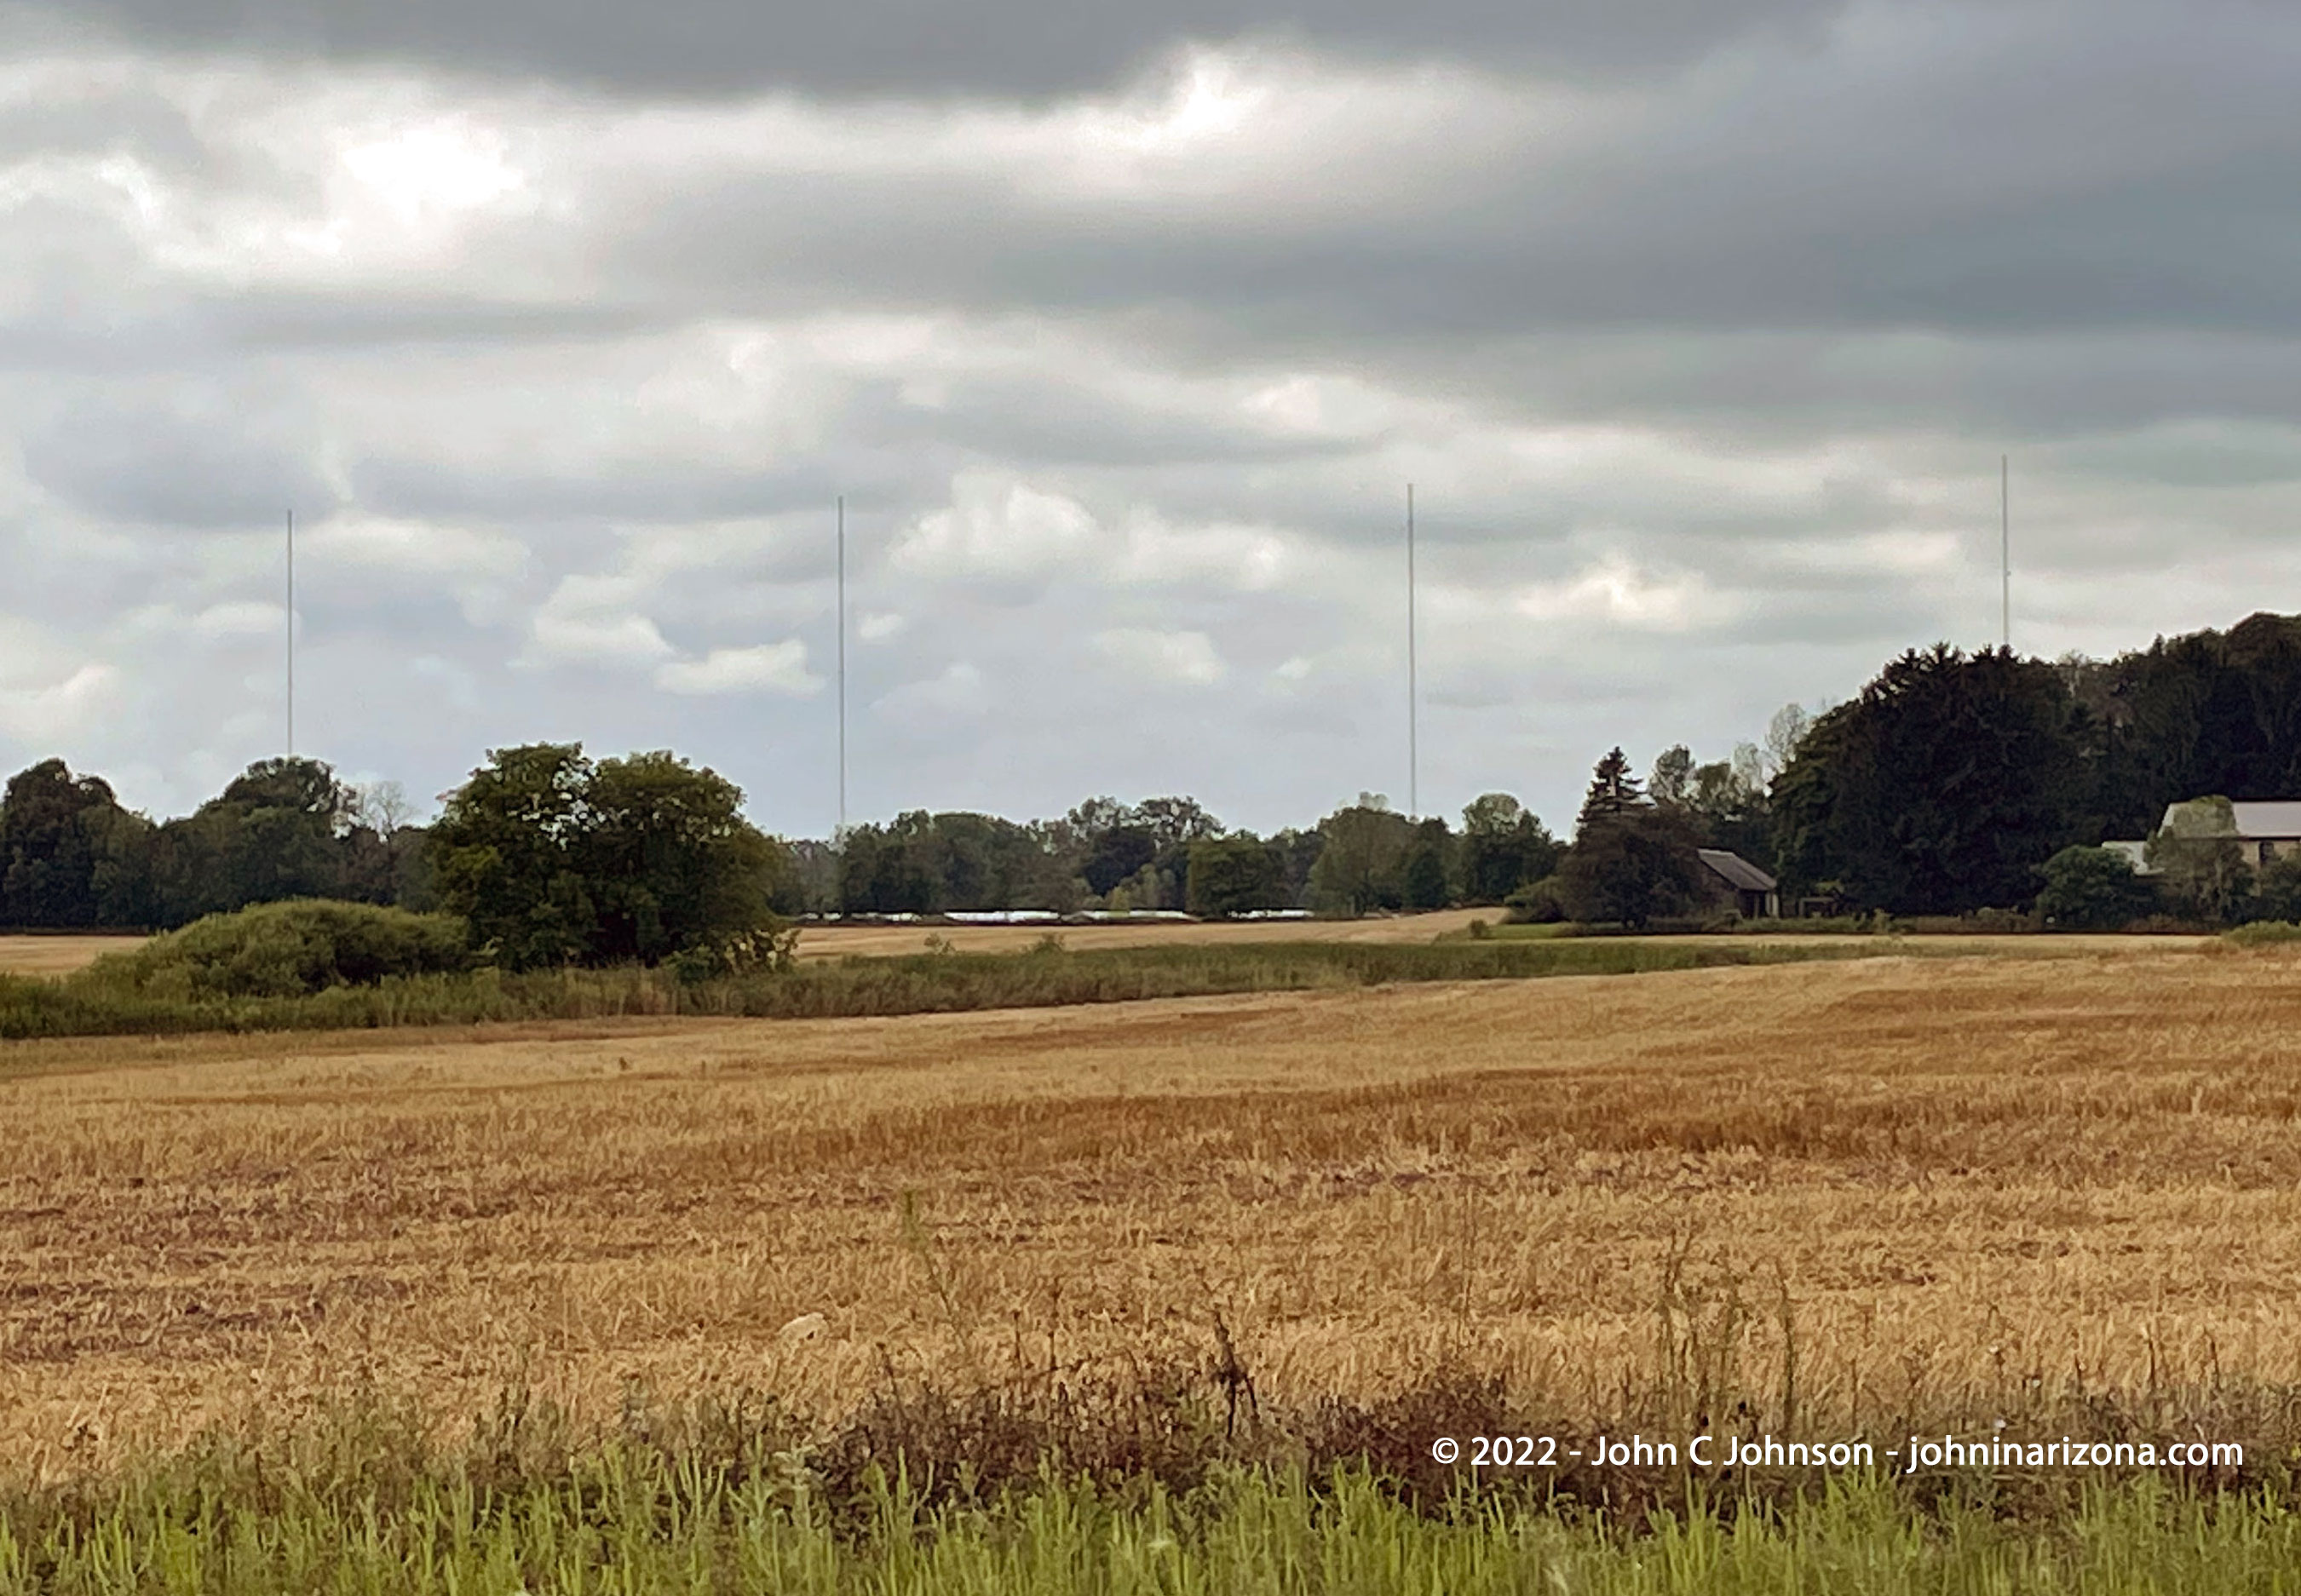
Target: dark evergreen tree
(1614, 790)
(1942, 789)
(1633, 861)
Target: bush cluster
(297, 948)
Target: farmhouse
(2266, 829)
(1733, 878)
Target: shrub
(739, 953)
(2092, 888)
(1537, 903)
(2262, 933)
(2277, 889)
(288, 950)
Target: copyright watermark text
(1919, 1455)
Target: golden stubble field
(1929, 1178)
(58, 956)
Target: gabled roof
(1737, 871)
(2258, 818)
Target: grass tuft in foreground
(633, 1520)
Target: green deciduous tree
(507, 853)
(919, 863)
(1231, 875)
(281, 829)
(553, 860)
(1362, 867)
(1503, 847)
(69, 856)
(671, 865)
(2093, 889)
(1728, 806)
(1425, 880)
(1671, 780)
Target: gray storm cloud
(1699, 328)
(902, 48)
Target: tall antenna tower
(291, 634)
(1413, 697)
(842, 664)
(2005, 551)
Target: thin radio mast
(842, 664)
(2006, 550)
(1413, 698)
(291, 634)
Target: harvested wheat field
(1899, 1186)
(58, 956)
(833, 941)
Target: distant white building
(2266, 829)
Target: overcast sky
(1699, 326)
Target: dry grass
(1934, 1180)
(58, 956)
(833, 941)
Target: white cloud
(1248, 559)
(611, 640)
(247, 618)
(880, 626)
(1000, 528)
(959, 689)
(420, 548)
(1618, 592)
(479, 567)
(45, 693)
(595, 619)
(1184, 658)
(766, 668)
(441, 167)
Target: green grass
(635, 1521)
(95, 1002)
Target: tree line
(560, 856)
(1954, 781)
(1951, 782)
